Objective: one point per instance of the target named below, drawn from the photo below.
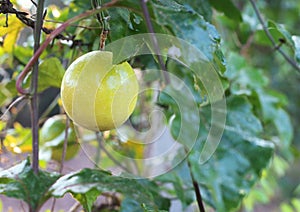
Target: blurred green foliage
(254, 165)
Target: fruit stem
(103, 21)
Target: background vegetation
(253, 45)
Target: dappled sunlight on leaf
(11, 32)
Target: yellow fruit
(98, 95)
(52, 136)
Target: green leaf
(278, 32)
(297, 190)
(183, 105)
(21, 182)
(23, 54)
(296, 204)
(3, 98)
(250, 81)
(133, 4)
(148, 209)
(281, 30)
(270, 102)
(228, 8)
(51, 73)
(7, 89)
(125, 22)
(194, 29)
(87, 199)
(88, 183)
(285, 207)
(133, 206)
(244, 79)
(202, 7)
(296, 40)
(129, 204)
(238, 161)
(284, 127)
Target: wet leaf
(239, 159)
(85, 184)
(194, 29)
(22, 183)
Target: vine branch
(196, 188)
(100, 143)
(48, 40)
(34, 85)
(154, 40)
(276, 47)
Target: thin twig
(196, 188)
(100, 143)
(276, 47)
(8, 8)
(63, 157)
(19, 99)
(34, 87)
(48, 40)
(53, 205)
(154, 40)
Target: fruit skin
(52, 135)
(98, 95)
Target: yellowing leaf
(18, 139)
(11, 32)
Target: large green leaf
(239, 159)
(87, 184)
(21, 182)
(253, 82)
(194, 29)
